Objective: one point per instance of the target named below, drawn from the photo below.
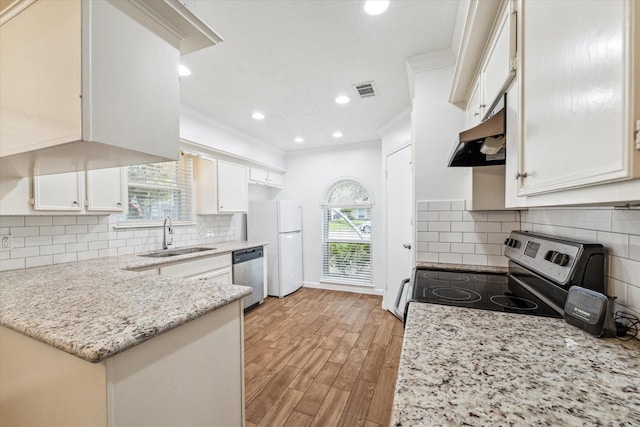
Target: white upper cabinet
(233, 188)
(103, 190)
(59, 192)
(206, 188)
(221, 187)
(579, 97)
(475, 108)
(88, 84)
(499, 66)
(263, 177)
(107, 190)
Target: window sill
(157, 224)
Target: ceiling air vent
(365, 90)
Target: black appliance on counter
(541, 270)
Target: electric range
(541, 269)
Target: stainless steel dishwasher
(248, 270)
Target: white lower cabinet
(217, 268)
(192, 375)
(103, 190)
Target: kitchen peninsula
(95, 343)
(476, 367)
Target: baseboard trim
(344, 288)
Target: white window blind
(346, 232)
(158, 190)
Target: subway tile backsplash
(618, 230)
(446, 233)
(45, 240)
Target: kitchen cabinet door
(276, 179)
(59, 192)
(498, 68)
(205, 183)
(107, 190)
(62, 111)
(263, 177)
(577, 95)
(475, 109)
(258, 176)
(233, 188)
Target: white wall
(436, 127)
(308, 175)
(203, 130)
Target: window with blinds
(346, 233)
(158, 190)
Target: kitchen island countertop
(97, 308)
(475, 367)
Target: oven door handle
(396, 307)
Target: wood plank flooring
(321, 358)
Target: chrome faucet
(167, 229)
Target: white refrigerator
(279, 222)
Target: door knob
(407, 245)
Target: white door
(399, 187)
(290, 257)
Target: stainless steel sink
(174, 252)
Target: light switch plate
(6, 243)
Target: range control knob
(512, 243)
(557, 258)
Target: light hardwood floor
(321, 358)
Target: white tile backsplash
(483, 232)
(618, 230)
(45, 240)
(458, 236)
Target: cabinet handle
(406, 245)
(483, 105)
(521, 175)
(119, 204)
(476, 114)
(75, 203)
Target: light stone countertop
(97, 308)
(462, 366)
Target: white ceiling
(290, 59)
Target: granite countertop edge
(116, 310)
(460, 366)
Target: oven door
(400, 305)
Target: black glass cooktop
(486, 291)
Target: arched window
(346, 233)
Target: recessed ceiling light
(258, 115)
(337, 134)
(376, 7)
(183, 70)
(343, 99)
(299, 140)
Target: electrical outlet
(6, 243)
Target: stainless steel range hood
(483, 145)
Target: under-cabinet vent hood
(483, 145)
